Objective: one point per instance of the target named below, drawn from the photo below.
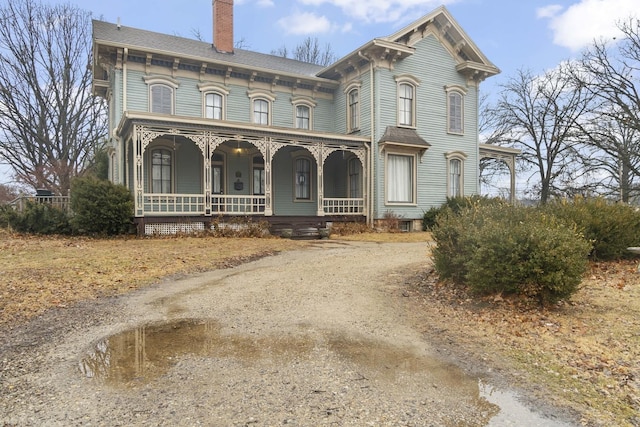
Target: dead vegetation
(584, 353)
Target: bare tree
(610, 71)
(50, 123)
(539, 115)
(309, 51)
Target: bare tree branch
(50, 123)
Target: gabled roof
(117, 36)
(471, 61)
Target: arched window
(302, 178)
(455, 173)
(261, 111)
(455, 109)
(352, 94)
(161, 170)
(161, 99)
(213, 106)
(303, 117)
(405, 104)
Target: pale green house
(202, 132)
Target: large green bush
(612, 227)
(39, 218)
(456, 205)
(494, 249)
(100, 207)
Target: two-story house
(202, 131)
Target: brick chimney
(223, 25)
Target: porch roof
(234, 130)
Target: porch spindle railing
(342, 206)
(238, 205)
(171, 204)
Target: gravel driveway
(313, 337)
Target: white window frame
(353, 110)
(354, 173)
(455, 91)
(255, 167)
(303, 102)
(166, 81)
(413, 178)
(413, 83)
(458, 156)
(260, 95)
(213, 89)
(219, 162)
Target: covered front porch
(193, 171)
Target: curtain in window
(302, 117)
(455, 173)
(405, 107)
(455, 112)
(213, 106)
(303, 179)
(161, 99)
(161, 171)
(400, 180)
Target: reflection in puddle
(147, 352)
(142, 354)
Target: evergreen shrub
(39, 218)
(512, 250)
(100, 207)
(610, 226)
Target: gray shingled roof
(110, 34)
(403, 136)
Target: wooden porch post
(138, 171)
(268, 157)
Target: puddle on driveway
(142, 354)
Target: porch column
(138, 171)
(268, 205)
(318, 154)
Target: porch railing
(170, 204)
(240, 205)
(341, 206)
(60, 202)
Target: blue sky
(513, 34)
(534, 34)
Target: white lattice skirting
(173, 228)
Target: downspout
(125, 173)
(372, 175)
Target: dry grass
(37, 272)
(585, 353)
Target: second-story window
(354, 110)
(455, 111)
(303, 117)
(406, 104)
(213, 106)
(260, 111)
(161, 99)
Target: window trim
(256, 95)
(461, 157)
(169, 82)
(258, 166)
(223, 171)
(414, 177)
(308, 157)
(413, 82)
(462, 92)
(300, 101)
(207, 89)
(172, 181)
(354, 168)
(350, 88)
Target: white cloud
(587, 20)
(305, 23)
(379, 10)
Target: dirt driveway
(320, 336)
